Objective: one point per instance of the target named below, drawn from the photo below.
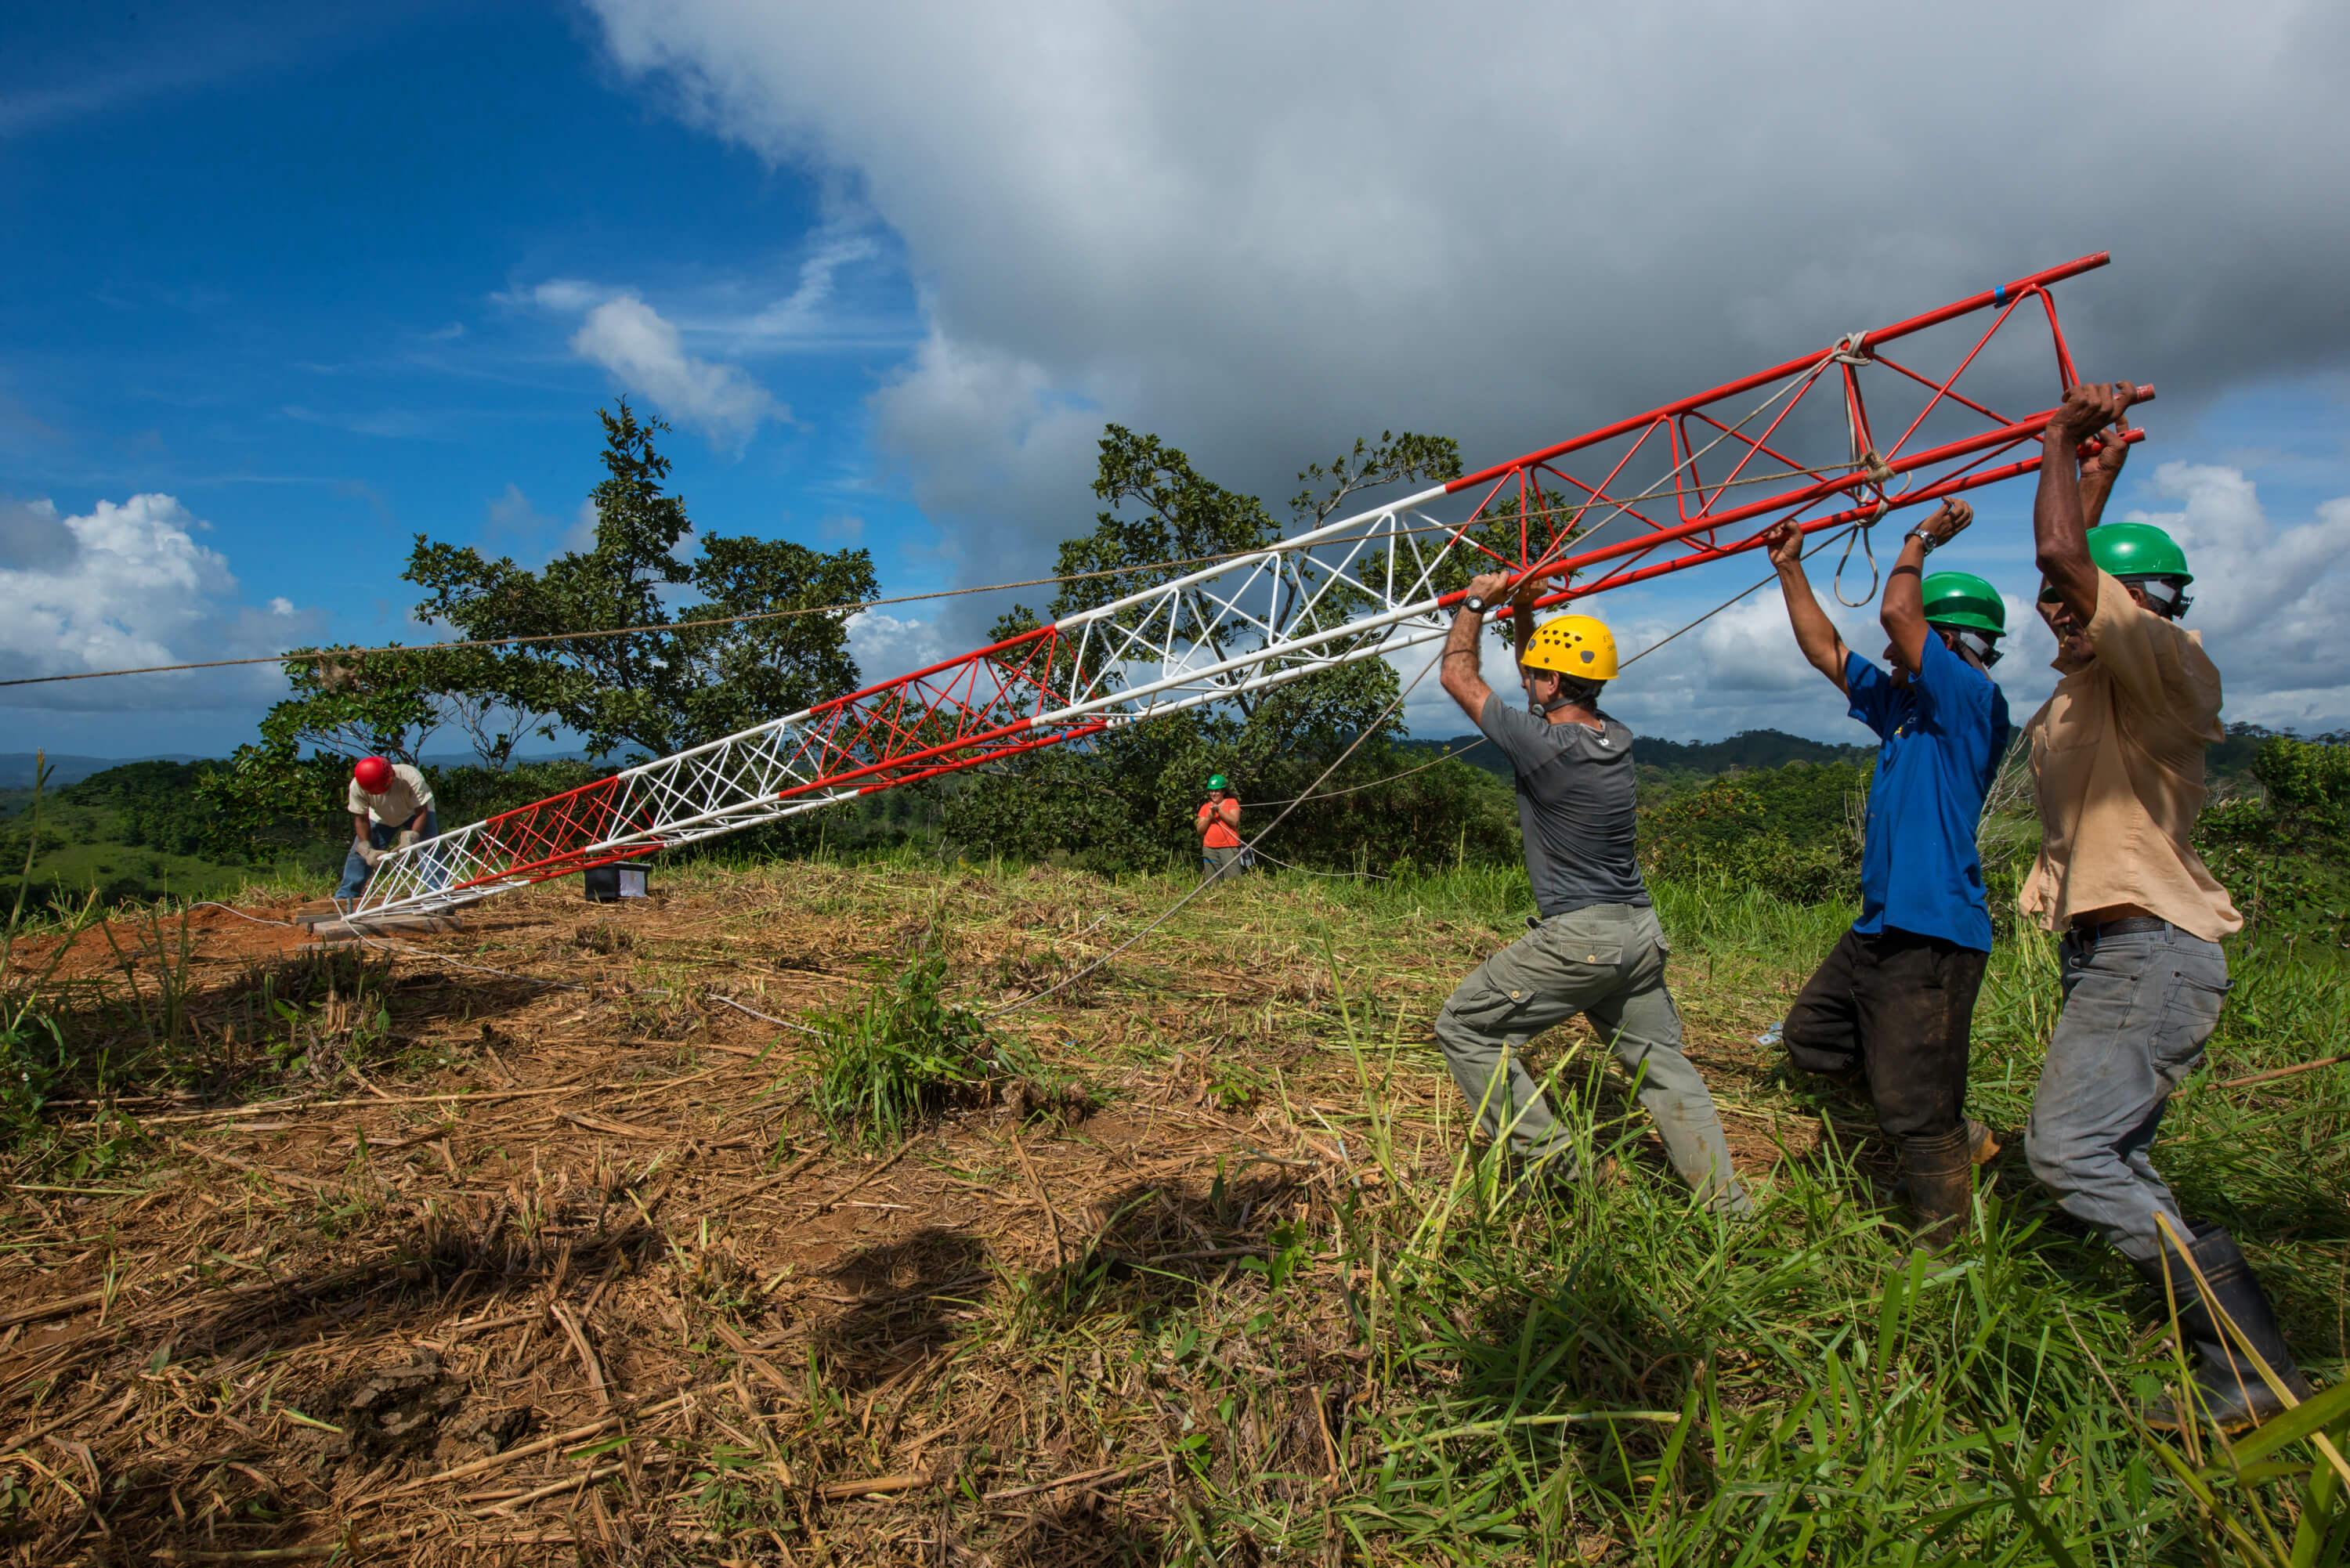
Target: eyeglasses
(2051, 594)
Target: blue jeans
(2138, 1009)
(382, 835)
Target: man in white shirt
(391, 807)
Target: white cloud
(136, 589)
(32, 535)
(803, 311)
(569, 294)
(1019, 451)
(1260, 234)
(1739, 671)
(644, 352)
(886, 644)
(2268, 596)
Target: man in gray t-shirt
(1575, 805)
(1597, 949)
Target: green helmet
(1216, 781)
(1962, 599)
(2138, 550)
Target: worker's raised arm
(1522, 620)
(1815, 634)
(1460, 672)
(1903, 611)
(2098, 474)
(2060, 538)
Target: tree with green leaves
(665, 684)
(1127, 799)
(345, 703)
(674, 683)
(2283, 850)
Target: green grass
(901, 1055)
(1383, 1363)
(1613, 1375)
(85, 843)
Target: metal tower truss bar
(1675, 488)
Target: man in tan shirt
(2118, 767)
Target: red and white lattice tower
(1681, 486)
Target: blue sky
(290, 284)
(285, 289)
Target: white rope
(1169, 912)
(1310, 871)
(763, 1017)
(1357, 789)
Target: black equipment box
(610, 884)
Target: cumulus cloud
(135, 588)
(2268, 596)
(1260, 230)
(645, 353)
(1010, 455)
(1739, 671)
(33, 535)
(885, 645)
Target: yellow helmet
(1576, 645)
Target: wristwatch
(1474, 605)
(1926, 541)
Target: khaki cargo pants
(1607, 962)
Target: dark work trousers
(1900, 1009)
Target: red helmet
(373, 775)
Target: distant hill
(1752, 749)
(16, 767)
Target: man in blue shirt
(1895, 1001)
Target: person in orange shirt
(2117, 768)
(1218, 823)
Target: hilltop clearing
(525, 1244)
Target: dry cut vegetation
(734, 1229)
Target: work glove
(368, 852)
(407, 837)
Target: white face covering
(2168, 598)
(1980, 644)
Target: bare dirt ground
(516, 1243)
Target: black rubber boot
(1938, 1172)
(2228, 1390)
